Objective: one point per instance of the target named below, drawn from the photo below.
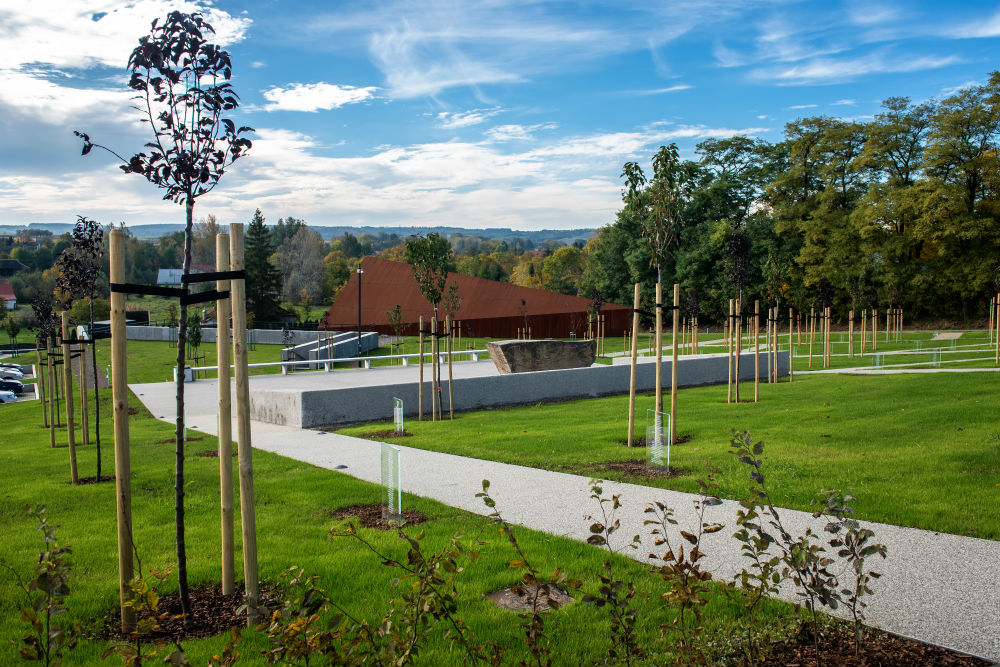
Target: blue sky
(473, 114)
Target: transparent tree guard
(397, 413)
(656, 438)
(937, 357)
(877, 361)
(392, 494)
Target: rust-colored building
(488, 308)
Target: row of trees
(900, 210)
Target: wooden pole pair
(53, 389)
(67, 359)
(40, 378)
(756, 351)
(850, 334)
(791, 350)
(812, 334)
(737, 325)
(729, 343)
(420, 382)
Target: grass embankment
(294, 506)
(916, 450)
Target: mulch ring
(94, 480)
(370, 516)
(213, 453)
(878, 649)
(641, 468)
(380, 435)
(525, 600)
(212, 613)
(171, 441)
(641, 442)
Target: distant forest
(898, 210)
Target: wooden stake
(82, 380)
(756, 351)
(434, 370)
(248, 518)
(119, 401)
(874, 330)
(738, 322)
(632, 372)
(52, 391)
(791, 355)
(40, 374)
(68, 384)
(673, 366)
(729, 345)
(850, 334)
(420, 382)
(694, 342)
(659, 348)
(812, 333)
(222, 314)
(451, 395)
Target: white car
(11, 374)
(7, 397)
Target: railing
(328, 363)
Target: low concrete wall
(311, 408)
(258, 336)
(334, 345)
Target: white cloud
(803, 106)
(314, 96)
(257, 64)
(658, 91)
(989, 27)
(45, 100)
(450, 120)
(951, 90)
(832, 70)
(517, 132)
(844, 103)
(84, 33)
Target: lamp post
(360, 273)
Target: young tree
(13, 327)
(430, 257)
(263, 279)
(79, 267)
(183, 90)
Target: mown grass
(916, 450)
(294, 506)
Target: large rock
(524, 356)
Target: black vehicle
(12, 385)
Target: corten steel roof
(386, 283)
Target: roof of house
(386, 283)
(7, 291)
(11, 264)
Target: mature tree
(203, 249)
(183, 90)
(286, 228)
(263, 278)
(562, 271)
(300, 261)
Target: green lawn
(917, 450)
(294, 506)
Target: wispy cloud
(988, 27)
(836, 70)
(951, 90)
(517, 132)
(656, 91)
(843, 103)
(450, 120)
(314, 96)
(803, 106)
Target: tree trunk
(182, 582)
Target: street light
(360, 273)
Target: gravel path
(935, 587)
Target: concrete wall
(261, 336)
(313, 408)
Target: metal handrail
(343, 360)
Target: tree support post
(451, 394)
(673, 366)
(729, 347)
(223, 312)
(791, 352)
(756, 351)
(248, 519)
(659, 348)
(68, 383)
(82, 380)
(119, 402)
(420, 383)
(738, 327)
(40, 375)
(632, 372)
(53, 416)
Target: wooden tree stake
(420, 383)
(119, 400)
(82, 380)
(68, 384)
(729, 344)
(248, 517)
(673, 366)
(756, 351)
(791, 352)
(53, 417)
(632, 372)
(659, 348)
(40, 374)
(812, 333)
(222, 315)
(451, 394)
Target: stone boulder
(524, 356)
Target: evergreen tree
(263, 278)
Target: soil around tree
(370, 516)
(878, 649)
(93, 479)
(641, 468)
(382, 435)
(641, 442)
(212, 613)
(212, 453)
(508, 598)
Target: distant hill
(566, 236)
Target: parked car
(16, 367)
(7, 397)
(12, 385)
(10, 373)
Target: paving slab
(935, 587)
